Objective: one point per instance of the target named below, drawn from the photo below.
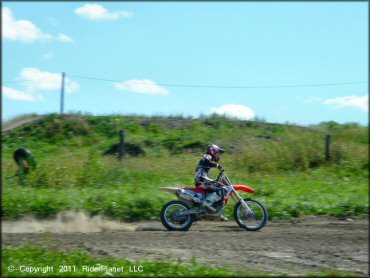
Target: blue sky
(145, 50)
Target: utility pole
(327, 148)
(62, 94)
(121, 144)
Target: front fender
(244, 188)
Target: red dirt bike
(179, 215)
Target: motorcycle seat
(195, 189)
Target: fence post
(121, 144)
(327, 148)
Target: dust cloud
(66, 222)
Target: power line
(261, 87)
(95, 78)
(213, 86)
(229, 87)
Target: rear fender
(172, 190)
(244, 188)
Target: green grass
(129, 195)
(52, 262)
(284, 163)
(43, 257)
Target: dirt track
(20, 122)
(293, 248)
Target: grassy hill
(78, 167)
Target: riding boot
(223, 218)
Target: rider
(24, 159)
(202, 180)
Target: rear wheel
(252, 220)
(174, 222)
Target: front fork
(236, 197)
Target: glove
(220, 167)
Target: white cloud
(37, 82)
(71, 86)
(45, 81)
(234, 111)
(48, 56)
(17, 95)
(361, 102)
(25, 30)
(65, 38)
(22, 30)
(144, 86)
(98, 12)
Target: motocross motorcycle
(179, 215)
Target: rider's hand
(220, 167)
(220, 185)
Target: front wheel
(174, 222)
(251, 220)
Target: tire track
(313, 244)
